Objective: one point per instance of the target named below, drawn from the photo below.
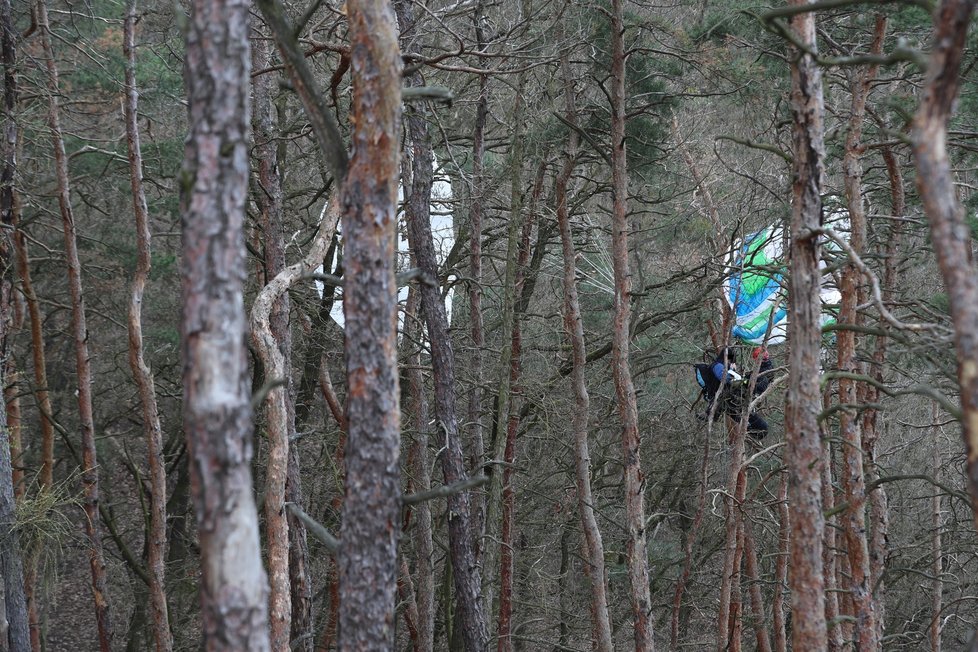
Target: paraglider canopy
(755, 287)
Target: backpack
(706, 380)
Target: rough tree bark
(15, 599)
(80, 334)
(949, 233)
(156, 534)
(372, 509)
(634, 485)
(594, 567)
(808, 631)
(217, 403)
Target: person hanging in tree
(731, 388)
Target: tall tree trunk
(781, 566)
(420, 467)
(80, 332)
(594, 568)
(156, 536)
(270, 334)
(730, 571)
(948, 230)
(491, 539)
(507, 545)
(634, 485)
(476, 209)
(217, 402)
(761, 634)
(853, 477)
(878, 504)
(829, 533)
(16, 601)
(465, 574)
(372, 506)
(803, 452)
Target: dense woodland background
(562, 128)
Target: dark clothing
(733, 399)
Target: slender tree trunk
(421, 470)
(853, 478)
(507, 545)
(781, 566)
(80, 333)
(634, 485)
(594, 567)
(828, 542)
(761, 634)
(735, 478)
(465, 574)
(217, 408)
(491, 541)
(948, 230)
(372, 509)
(16, 600)
(156, 536)
(803, 452)
(270, 334)
(476, 209)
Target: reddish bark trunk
(761, 634)
(803, 452)
(781, 566)
(507, 557)
(80, 332)
(217, 402)
(372, 508)
(853, 477)
(634, 485)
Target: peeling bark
(217, 402)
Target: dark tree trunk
(803, 452)
(372, 508)
(467, 583)
(217, 402)
(476, 209)
(15, 599)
